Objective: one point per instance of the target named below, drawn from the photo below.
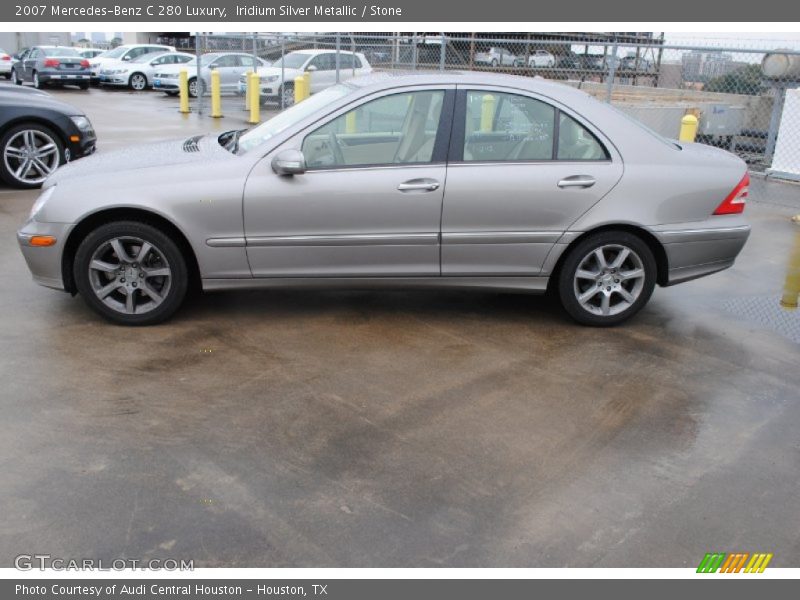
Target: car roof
(313, 52)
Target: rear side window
(507, 127)
(575, 142)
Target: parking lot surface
(283, 428)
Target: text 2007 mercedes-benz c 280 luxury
(460, 180)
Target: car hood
(196, 149)
(15, 98)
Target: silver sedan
(441, 180)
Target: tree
(116, 42)
(744, 80)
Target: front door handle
(419, 185)
(580, 181)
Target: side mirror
(311, 68)
(126, 58)
(289, 162)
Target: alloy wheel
(138, 82)
(130, 275)
(288, 96)
(609, 279)
(30, 156)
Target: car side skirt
(533, 285)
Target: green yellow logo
(720, 562)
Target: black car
(38, 134)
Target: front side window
(395, 129)
(507, 127)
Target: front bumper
(44, 263)
(697, 249)
(165, 84)
(107, 79)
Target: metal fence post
(414, 51)
(442, 52)
(338, 54)
(612, 73)
(198, 81)
(283, 70)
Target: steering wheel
(336, 149)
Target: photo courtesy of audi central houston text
(429, 300)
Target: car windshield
(258, 135)
(115, 53)
(293, 60)
(60, 52)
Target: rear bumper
(62, 77)
(697, 249)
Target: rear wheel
(607, 278)
(196, 89)
(36, 83)
(15, 79)
(131, 273)
(287, 93)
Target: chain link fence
(747, 99)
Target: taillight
(734, 203)
(51, 62)
(85, 64)
(6, 57)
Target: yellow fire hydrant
(689, 125)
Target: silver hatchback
(438, 180)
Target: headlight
(40, 201)
(270, 79)
(82, 123)
(118, 71)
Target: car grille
(190, 145)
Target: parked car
(90, 53)
(6, 60)
(124, 53)
(569, 61)
(51, 65)
(320, 63)
(348, 188)
(632, 63)
(538, 59)
(137, 74)
(230, 65)
(38, 134)
(377, 54)
(495, 57)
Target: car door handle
(419, 185)
(581, 181)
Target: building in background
(14, 41)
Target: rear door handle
(419, 185)
(581, 181)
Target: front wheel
(607, 278)
(196, 89)
(131, 273)
(30, 152)
(137, 82)
(287, 93)
(15, 79)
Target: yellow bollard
(307, 87)
(253, 83)
(183, 88)
(689, 124)
(487, 113)
(299, 93)
(791, 289)
(216, 99)
(350, 122)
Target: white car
(495, 57)
(278, 79)
(230, 65)
(90, 53)
(137, 74)
(124, 53)
(539, 59)
(6, 60)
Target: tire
(120, 290)
(15, 78)
(36, 83)
(171, 94)
(494, 63)
(138, 82)
(287, 92)
(22, 138)
(609, 293)
(7, 76)
(198, 89)
(83, 86)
